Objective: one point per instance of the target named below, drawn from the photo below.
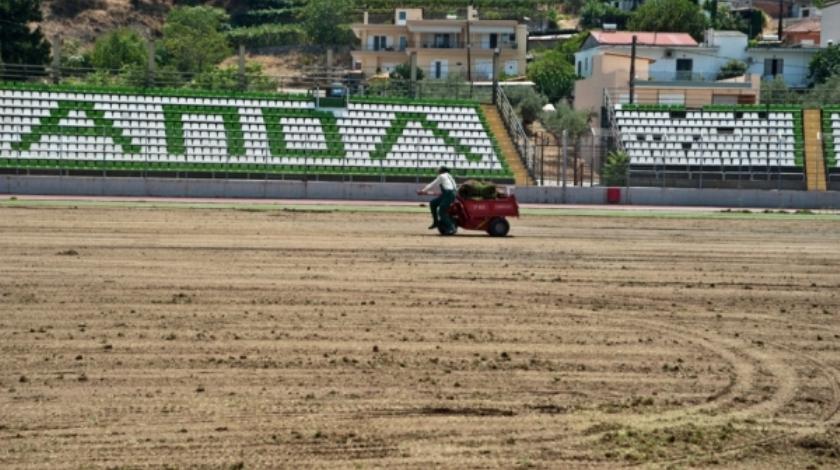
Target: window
(379, 43)
(402, 16)
(684, 69)
(511, 67)
(494, 40)
(579, 64)
(773, 67)
(403, 43)
(442, 41)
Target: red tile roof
(808, 25)
(625, 38)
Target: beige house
(442, 47)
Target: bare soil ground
(101, 16)
(134, 337)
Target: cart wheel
(498, 227)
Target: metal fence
(575, 164)
(707, 176)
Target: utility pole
(781, 18)
(413, 75)
(565, 154)
(243, 83)
(56, 62)
(633, 70)
(330, 61)
(469, 51)
(495, 74)
(151, 64)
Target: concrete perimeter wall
(273, 189)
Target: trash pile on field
(473, 189)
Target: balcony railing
(433, 45)
(692, 77)
(382, 49)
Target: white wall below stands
(261, 189)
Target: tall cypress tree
(20, 44)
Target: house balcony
(693, 79)
(367, 48)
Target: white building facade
(684, 62)
(830, 20)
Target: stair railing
(516, 131)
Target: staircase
(814, 160)
(511, 154)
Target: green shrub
(553, 75)
(733, 68)
(117, 49)
(192, 38)
(615, 168)
(403, 72)
(530, 108)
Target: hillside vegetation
(256, 23)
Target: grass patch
(634, 445)
(825, 445)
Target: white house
(679, 58)
(830, 19)
(791, 63)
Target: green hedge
(308, 170)
(752, 107)
(267, 35)
(828, 137)
(164, 92)
(652, 107)
(412, 101)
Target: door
(511, 68)
(684, 69)
(773, 67)
(403, 43)
(494, 40)
(442, 41)
(484, 69)
(379, 43)
(440, 69)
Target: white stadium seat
(136, 130)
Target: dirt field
(229, 338)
